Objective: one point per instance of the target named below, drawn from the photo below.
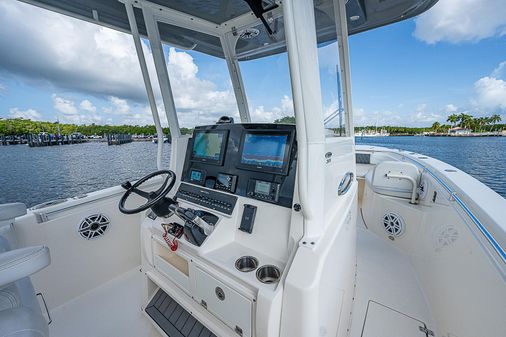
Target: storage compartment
(228, 305)
(173, 266)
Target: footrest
(173, 319)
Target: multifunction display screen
(209, 146)
(262, 187)
(264, 150)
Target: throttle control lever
(188, 215)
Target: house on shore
(458, 131)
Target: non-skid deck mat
(173, 319)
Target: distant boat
(165, 140)
(372, 133)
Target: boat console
(255, 161)
(223, 238)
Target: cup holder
(246, 264)
(268, 274)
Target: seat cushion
(18, 263)
(9, 297)
(22, 322)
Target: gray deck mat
(173, 319)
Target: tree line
(477, 124)
(20, 126)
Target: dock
(118, 139)
(42, 139)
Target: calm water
(482, 157)
(35, 175)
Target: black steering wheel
(152, 198)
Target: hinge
(49, 319)
(238, 330)
(426, 331)
(203, 303)
(41, 217)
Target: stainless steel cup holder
(268, 274)
(246, 263)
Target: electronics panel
(257, 161)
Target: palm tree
(479, 122)
(495, 119)
(453, 118)
(436, 126)
(465, 120)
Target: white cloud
(451, 108)
(69, 113)
(458, 21)
(261, 114)
(86, 105)
(2, 87)
(198, 101)
(86, 58)
(65, 106)
(32, 114)
(490, 93)
(71, 54)
(118, 106)
(500, 71)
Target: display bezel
(286, 158)
(218, 161)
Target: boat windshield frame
(301, 44)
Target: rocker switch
(248, 218)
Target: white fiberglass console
(225, 272)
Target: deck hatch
(173, 319)
(363, 158)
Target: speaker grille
(94, 226)
(393, 224)
(445, 236)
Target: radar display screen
(209, 146)
(266, 151)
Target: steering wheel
(152, 198)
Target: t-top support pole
(300, 32)
(344, 62)
(161, 71)
(147, 82)
(228, 42)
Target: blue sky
(450, 60)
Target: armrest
(11, 211)
(19, 263)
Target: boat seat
(380, 179)
(20, 313)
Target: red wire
(173, 244)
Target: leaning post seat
(394, 178)
(20, 313)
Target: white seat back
(381, 183)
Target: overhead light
(354, 17)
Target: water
(36, 175)
(482, 157)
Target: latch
(238, 330)
(426, 331)
(203, 303)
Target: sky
(451, 59)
